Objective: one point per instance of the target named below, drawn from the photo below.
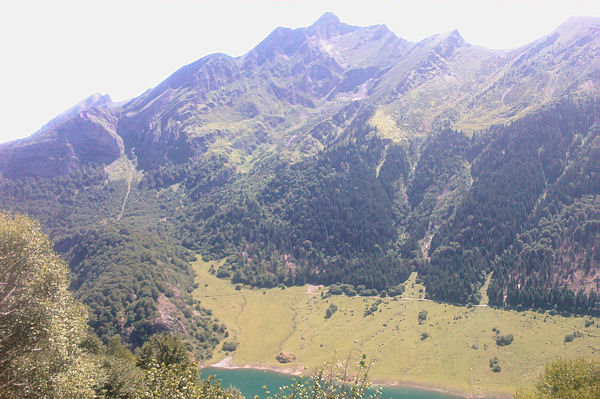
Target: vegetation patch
(330, 311)
(504, 340)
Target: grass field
(455, 358)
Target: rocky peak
(578, 31)
(282, 41)
(329, 25)
(209, 71)
(96, 100)
(579, 23)
(88, 137)
(449, 42)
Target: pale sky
(56, 53)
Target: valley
(265, 322)
(337, 190)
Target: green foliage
(370, 309)
(571, 337)
(397, 290)
(443, 157)
(422, 316)
(563, 236)
(163, 349)
(550, 151)
(41, 325)
(325, 219)
(121, 378)
(133, 274)
(230, 346)
(566, 379)
(504, 340)
(130, 278)
(333, 382)
(62, 203)
(331, 310)
(181, 382)
(335, 290)
(495, 365)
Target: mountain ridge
(332, 154)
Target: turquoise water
(250, 382)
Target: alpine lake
(253, 382)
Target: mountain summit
(296, 79)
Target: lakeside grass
(455, 358)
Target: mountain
(85, 133)
(330, 153)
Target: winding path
(130, 177)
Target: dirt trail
(575, 328)
(127, 192)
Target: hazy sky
(56, 53)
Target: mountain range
(329, 154)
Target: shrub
(163, 349)
(422, 316)
(223, 272)
(571, 337)
(340, 383)
(504, 340)
(566, 379)
(230, 346)
(424, 336)
(331, 310)
(347, 289)
(589, 323)
(397, 290)
(335, 290)
(494, 365)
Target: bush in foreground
(566, 379)
(336, 383)
(41, 325)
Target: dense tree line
(518, 164)
(438, 178)
(561, 242)
(325, 219)
(62, 203)
(362, 211)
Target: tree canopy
(41, 325)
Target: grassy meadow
(456, 356)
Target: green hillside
(331, 154)
(455, 357)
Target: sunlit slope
(456, 357)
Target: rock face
(295, 79)
(285, 357)
(89, 137)
(96, 100)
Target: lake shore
(227, 364)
